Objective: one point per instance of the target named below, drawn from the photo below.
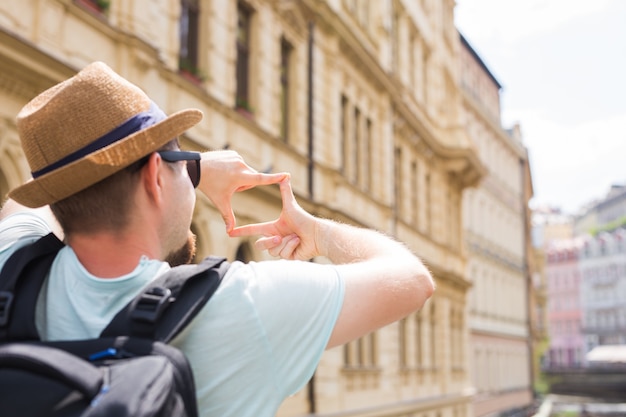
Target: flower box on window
(190, 72)
(243, 107)
(97, 7)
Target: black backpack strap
(163, 309)
(21, 279)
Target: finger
(276, 250)
(257, 178)
(286, 193)
(266, 229)
(290, 247)
(226, 212)
(265, 179)
(267, 243)
(229, 220)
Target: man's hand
(292, 235)
(225, 173)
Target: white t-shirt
(257, 341)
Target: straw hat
(87, 128)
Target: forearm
(367, 254)
(344, 244)
(384, 281)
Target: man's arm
(384, 281)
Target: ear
(152, 178)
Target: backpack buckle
(6, 298)
(152, 304)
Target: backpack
(130, 370)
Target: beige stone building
(362, 102)
(497, 235)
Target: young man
(109, 178)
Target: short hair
(105, 205)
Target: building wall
(551, 224)
(537, 291)
(564, 305)
(603, 289)
(539, 315)
(379, 134)
(497, 238)
(608, 213)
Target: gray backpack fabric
(130, 370)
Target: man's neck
(108, 255)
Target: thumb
(229, 220)
(227, 213)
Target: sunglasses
(192, 159)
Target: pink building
(567, 344)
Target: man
(109, 178)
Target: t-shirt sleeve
(298, 304)
(25, 225)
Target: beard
(185, 254)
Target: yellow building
(497, 235)
(362, 102)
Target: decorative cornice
(25, 70)
(294, 14)
(482, 250)
(493, 125)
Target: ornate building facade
(361, 102)
(497, 236)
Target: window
(397, 183)
(244, 15)
(456, 339)
(4, 184)
(244, 253)
(365, 161)
(344, 132)
(450, 220)
(355, 154)
(414, 191)
(419, 340)
(285, 58)
(402, 343)
(188, 53)
(356, 145)
(433, 336)
(428, 202)
(361, 353)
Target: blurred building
(567, 345)
(497, 236)
(603, 289)
(365, 103)
(586, 276)
(550, 224)
(606, 214)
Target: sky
(562, 67)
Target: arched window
(4, 188)
(244, 253)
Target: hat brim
(76, 176)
